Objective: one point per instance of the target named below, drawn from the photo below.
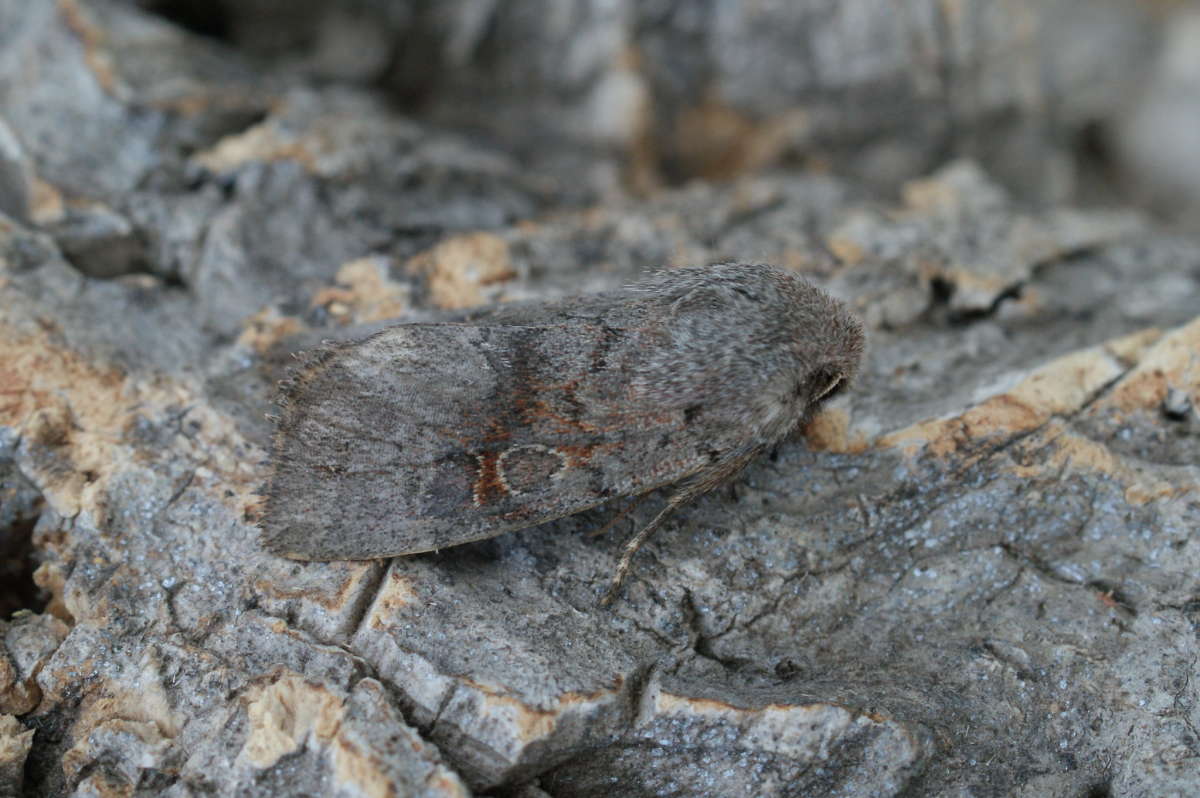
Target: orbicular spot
(528, 467)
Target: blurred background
(262, 143)
(1083, 101)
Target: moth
(429, 435)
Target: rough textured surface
(975, 573)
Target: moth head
(800, 392)
(830, 347)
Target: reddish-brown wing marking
(426, 436)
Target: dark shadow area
(205, 18)
(20, 506)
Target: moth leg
(701, 483)
(624, 512)
(636, 542)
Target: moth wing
(430, 435)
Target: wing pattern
(429, 435)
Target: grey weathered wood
(978, 568)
